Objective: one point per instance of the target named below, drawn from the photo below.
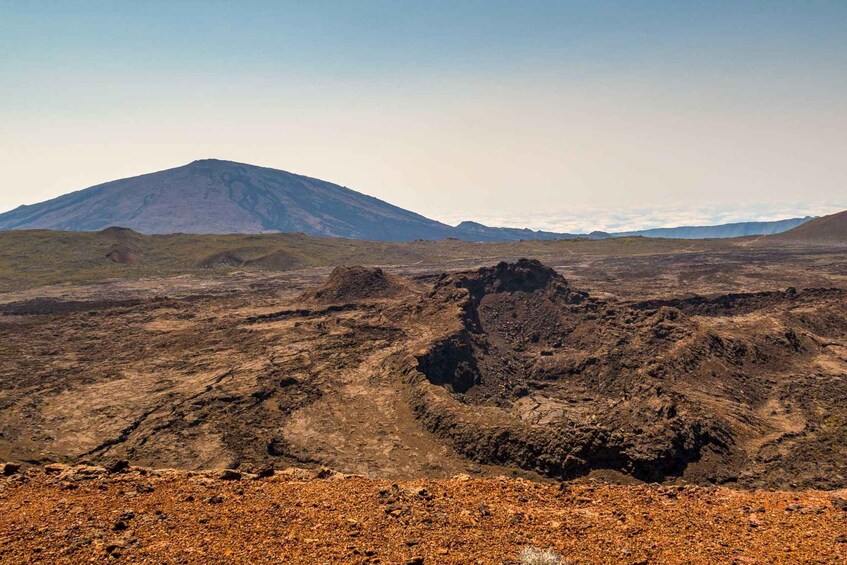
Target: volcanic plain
(607, 367)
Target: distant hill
(832, 229)
(738, 229)
(217, 197)
(474, 231)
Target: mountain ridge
(217, 196)
(732, 229)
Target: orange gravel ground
(88, 515)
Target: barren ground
(702, 366)
(622, 365)
(178, 517)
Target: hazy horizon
(584, 219)
(558, 116)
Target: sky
(566, 115)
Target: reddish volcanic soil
(86, 514)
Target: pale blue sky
(514, 111)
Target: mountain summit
(213, 196)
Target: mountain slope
(737, 229)
(832, 228)
(212, 196)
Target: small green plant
(530, 555)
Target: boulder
(9, 469)
(230, 475)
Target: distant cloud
(617, 219)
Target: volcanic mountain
(212, 196)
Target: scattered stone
(839, 503)
(118, 466)
(120, 526)
(9, 469)
(265, 472)
(230, 475)
(419, 492)
(54, 468)
(114, 549)
(324, 473)
(298, 473)
(216, 499)
(82, 472)
(415, 561)
(396, 510)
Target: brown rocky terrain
(736, 388)
(692, 366)
(511, 368)
(83, 514)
